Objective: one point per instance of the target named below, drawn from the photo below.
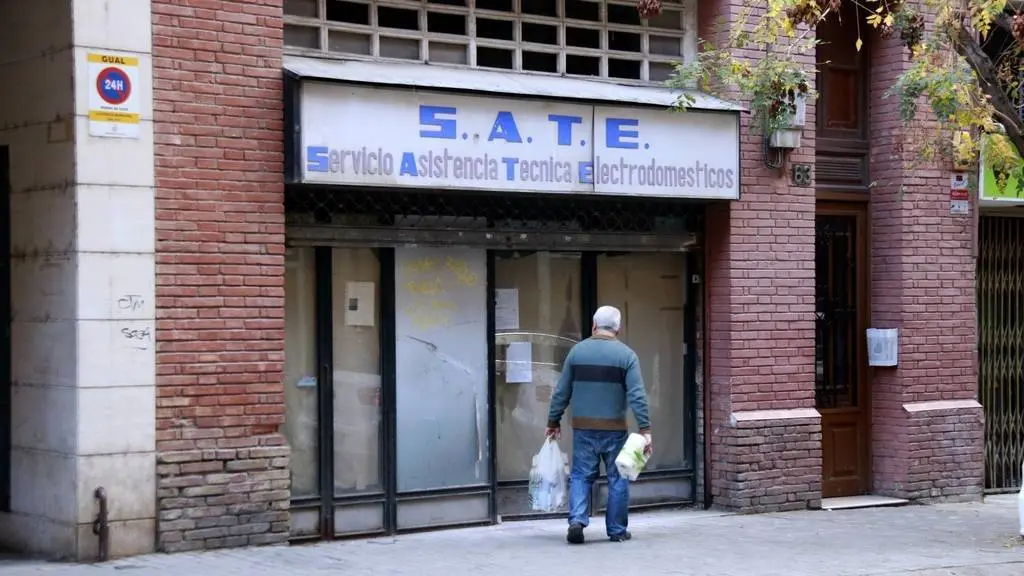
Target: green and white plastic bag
(631, 459)
(548, 478)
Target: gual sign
(385, 137)
(114, 109)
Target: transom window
(603, 39)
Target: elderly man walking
(600, 377)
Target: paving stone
(937, 540)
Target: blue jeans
(589, 448)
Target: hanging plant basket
(648, 8)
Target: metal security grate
(604, 39)
(389, 217)
(473, 211)
(1000, 293)
(835, 311)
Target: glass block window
(583, 38)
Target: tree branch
(1003, 21)
(968, 48)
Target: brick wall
(886, 223)
(922, 282)
(760, 330)
(222, 462)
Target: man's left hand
(553, 432)
(649, 447)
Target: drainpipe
(100, 527)
(705, 368)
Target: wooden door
(843, 124)
(841, 384)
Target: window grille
(582, 38)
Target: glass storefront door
(536, 322)
(333, 390)
(651, 291)
(543, 305)
(403, 414)
(441, 414)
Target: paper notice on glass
(519, 362)
(359, 305)
(506, 309)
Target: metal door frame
(315, 228)
(588, 304)
(5, 329)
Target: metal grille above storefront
(559, 37)
(341, 216)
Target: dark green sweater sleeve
(636, 394)
(563, 393)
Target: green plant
(973, 95)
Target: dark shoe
(621, 537)
(575, 535)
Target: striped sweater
(600, 377)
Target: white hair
(608, 318)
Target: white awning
(474, 80)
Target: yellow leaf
(889, 20)
(860, 43)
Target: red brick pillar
(927, 426)
(765, 435)
(217, 92)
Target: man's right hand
(649, 447)
(553, 433)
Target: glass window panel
(583, 65)
(650, 290)
(448, 53)
(301, 37)
(624, 68)
(661, 71)
(403, 30)
(348, 42)
(300, 397)
(441, 357)
(546, 317)
(498, 29)
(540, 61)
(304, 8)
(355, 302)
(404, 48)
(494, 57)
(351, 12)
(666, 45)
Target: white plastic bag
(631, 459)
(1020, 505)
(548, 477)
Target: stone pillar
(927, 425)
(116, 396)
(765, 432)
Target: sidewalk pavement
(939, 540)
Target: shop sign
(403, 138)
(114, 102)
(991, 192)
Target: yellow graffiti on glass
(462, 272)
(432, 314)
(425, 287)
(421, 266)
